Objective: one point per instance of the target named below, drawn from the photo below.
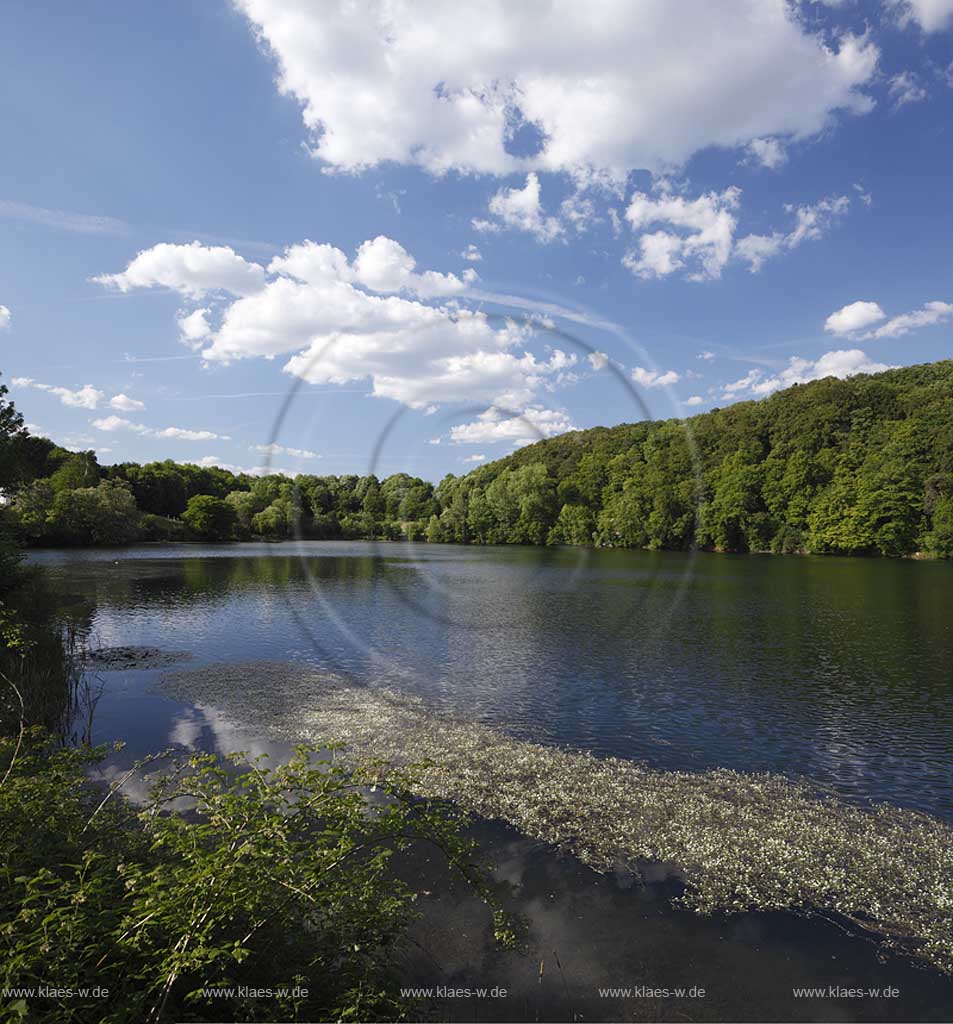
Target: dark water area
(839, 670)
(594, 936)
(831, 669)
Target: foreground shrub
(270, 878)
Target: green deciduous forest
(857, 466)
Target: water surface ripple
(833, 669)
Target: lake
(836, 671)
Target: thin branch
(16, 752)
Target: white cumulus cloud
(811, 222)
(209, 461)
(928, 314)
(193, 269)
(522, 210)
(445, 86)
(493, 425)
(5, 317)
(930, 15)
(194, 327)
(125, 404)
(579, 212)
(110, 423)
(654, 378)
(184, 434)
(768, 153)
(839, 363)
(700, 233)
(853, 317)
(86, 397)
(905, 88)
(384, 265)
(369, 319)
(278, 449)
(114, 423)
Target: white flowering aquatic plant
(739, 841)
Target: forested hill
(863, 465)
(858, 466)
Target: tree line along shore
(862, 466)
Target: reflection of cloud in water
(591, 931)
(742, 841)
(208, 728)
(135, 787)
(187, 728)
(194, 729)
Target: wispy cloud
(101, 224)
(64, 220)
(546, 309)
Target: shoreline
(917, 556)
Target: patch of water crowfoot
(741, 841)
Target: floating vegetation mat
(741, 841)
(125, 658)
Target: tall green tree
(210, 518)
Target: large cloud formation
(605, 86)
(373, 318)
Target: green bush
(161, 528)
(276, 522)
(940, 540)
(273, 878)
(210, 518)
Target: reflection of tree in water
(137, 583)
(842, 634)
(47, 684)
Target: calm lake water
(836, 670)
(840, 670)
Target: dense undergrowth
(230, 873)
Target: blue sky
(248, 235)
